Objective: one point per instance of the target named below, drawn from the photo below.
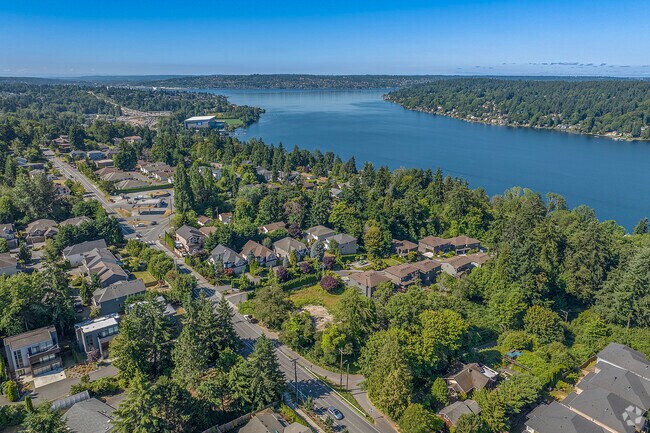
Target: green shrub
(11, 415)
(290, 415)
(11, 391)
(304, 280)
(98, 388)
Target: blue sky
(571, 37)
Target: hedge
(304, 280)
(11, 415)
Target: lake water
(612, 177)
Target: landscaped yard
(315, 295)
(145, 276)
(391, 262)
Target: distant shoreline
(387, 98)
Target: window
(47, 358)
(18, 358)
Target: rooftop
(199, 118)
(30, 338)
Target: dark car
(335, 412)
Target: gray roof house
(8, 232)
(189, 239)
(8, 264)
(230, 259)
(284, 246)
(102, 262)
(39, 230)
(472, 377)
(346, 244)
(97, 333)
(452, 413)
(319, 233)
(89, 416)
(614, 397)
(112, 299)
(75, 253)
(33, 352)
(76, 221)
(272, 423)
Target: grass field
(315, 295)
(235, 123)
(145, 276)
(391, 262)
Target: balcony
(34, 357)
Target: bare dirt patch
(322, 318)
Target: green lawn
(236, 123)
(391, 262)
(145, 276)
(315, 295)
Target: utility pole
(341, 369)
(347, 378)
(295, 377)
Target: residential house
(614, 397)
(434, 245)
(95, 155)
(75, 253)
(203, 220)
(95, 334)
(89, 416)
(225, 217)
(367, 281)
(106, 170)
(452, 413)
(230, 259)
(105, 265)
(264, 256)
(479, 259)
(457, 266)
(170, 311)
(345, 244)
(403, 248)
(61, 190)
(403, 274)
(75, 221)
(267, 175)
(112, 299)
(272, 423)
(63, 143)
(284, 246)
(189, 239)
(270, 228)
(133, 139)
(471, 377)
(39, 230)
(104, 162)
(36, 172)
(463, 244)
(208, 230)
(319, 233)
(429, 270)
(33, 352)
(8, 264)
(335, 193)
(77, 154)
(8, 233)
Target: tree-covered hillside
(616, 108)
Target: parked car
(335, 412)
(154, 223)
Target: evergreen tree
(44, 420)
(182, 190)
(24, 253)
(268, 380)
(642, 227)
(190, 352)
(227, 337)
(317, 250)
(137, 414)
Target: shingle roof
(7, 261)
(320, 231)
(225, 254)
(76, 221)
(555, 418)
(118, 290)
(426, 266)
(259, 250)
(402, 270)
(186, 232)
(369, 278)
(459, 241)
(289, 244)
(84, 247)
(626, 358)
(469, 378)
(434, 241)
(342, 238)
(41, 225)
(89, 416)
(455, 410)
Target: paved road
(248, 332)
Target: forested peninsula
(612, 108)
